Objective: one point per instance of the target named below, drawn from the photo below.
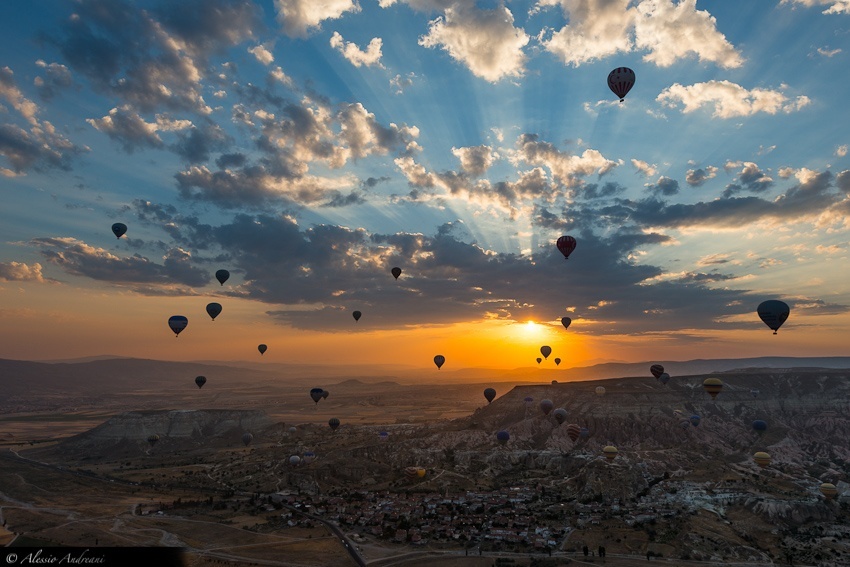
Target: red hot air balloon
(566, 244)
(620, 81)
(573, 431)
(657, 370)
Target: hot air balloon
(560, 415)
(754, 393)
(200, 381)
(410, 472)
(334, 423)
(773, 312)
(712, 386)
(356, 315)
(119, 229)
(695, 419)
(664, 378)
(565, 321)
(213, 310)
(546, 351)
(177, 323)
(152, 439)
(829, 490)
(384, 436)
(546, 406)
(490, 394)
(610, 452)
(439, 360)
(760, 426)
(620, 81)
(656, 370)
(222, 276)
(566, 244)
(539, 360)
(528, 399)
(316, 394)
(325, 394)
(247, 438)
(420, 472)
(293, 430)
(600, 390)
(554, 382)
(294, 460)
(557, 362)
(309, 457)
(685, 424)
(573, 431)
(262, 349)
(396, 272)
(762, 459)
(503, 437)
(585, 433)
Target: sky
(309, 146)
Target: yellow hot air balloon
(610, 452)
(762, 459)
(712, 386)
(420, 472)
(828, 490)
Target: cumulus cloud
(664, 186)
(262, 54)
(475, 160)
(57, 78)
(566, 168)
(300, 17)
(278, 75)
(128, 128)
(369, 57)
(750, 179)
(646, 169)
(401, 82)
(697, 177)
(20, 272)
(12, 95)
(841, 150)
(669, 31)
(486, 41)
(728, 99)
(833, 6)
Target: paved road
(346, 543)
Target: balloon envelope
(565, 321)
(152, 439)
(585, 433)
(396, 272)
(294, 460)
(762, 459)
(119, 229)
(656, 370)
(545, 351)
(356, 315)
(573, 431)
(829, 490)
(600, 390)
(664, 378)
(503, 436)
(528, 399)
(610, 452)
(560, 415)
(316, 394)
(712, 386)
(325, 394)
(262, 349)
(695, 419)
(539, 360)
(490, 394)
(222, 276)
(247, 438)
(334, 423)
(557, 362)
(200, 381)
(760, 425)
(773, 312)
(309, 457)
(177, 323)
(754, 393)
(439, 360)
(546, 406)
(213, 310)
(566, 244)
(620, 81)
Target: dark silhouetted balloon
(554, 382)
(316, 394)
(200, 381)
(490, 394)
(695, 419)
(656, 370)
(119, 229)
(773, 312)
(384, 436)
(294, 460)
(528, 399)
(213, 310)
(439, 360)
(755, 392)
(546, 351)
(396, 272)
(760, 425)
(152, 439)
(620, 81)
(573, 431)
(546, 406)
(177, 323)
(247, 438)
(566, 244)
(539, 360)
(503, 437)
(334, 423)
(325, 394)
(664, 378)
(712, 386)
(565, 321)
(222, 276)
(585, 433)
(356, 315)
(560, 415)
(557, 362)
(262, 349)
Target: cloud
(125, 126)
(80, 259)
(841, 150)
(664, 186)
(57, 78)
(669, 31)
(751, 179)
(728, 99)
(262, 54)
(714, 259)
(834, 6)
(486, 41)
(20, 272)
(400, 83)
(300, 17)
(10, 92)
(475, 160)
(644, 168)
(565, 168)
(698, 177)
(196, 144)
(41, 148)
(828, 52)
(356, 56)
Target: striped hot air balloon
(610, 452)
(712, 386)
(762, 459)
